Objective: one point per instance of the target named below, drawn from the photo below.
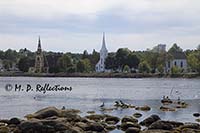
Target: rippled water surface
(88, 93)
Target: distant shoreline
(101, 75)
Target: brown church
(41, 63)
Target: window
(175, 63)
(181, 64)
(168, 64)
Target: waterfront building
(100, 66)
(178, 60)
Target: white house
(100, 66)
(179, 60)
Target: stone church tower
(100, 66)
(41, 64)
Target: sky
(78, 25)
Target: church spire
(103, 42)
(39, 45)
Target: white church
(100, 66)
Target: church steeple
(39, 45)
(103, 43)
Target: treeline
(123, 60)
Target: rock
(44, 113)
(4, 129)
(196, 114)
(137, 115)
(112, 120)
(166, 101)
(164, 108)
(143, 108)
(91, 112)
(197, 120)
(15, 121)
(28, 126)
(148, 121)
(95, 117)
(132, 130)
(161, 125)
(3, 124)
(95, 127)
(82, 125)
(110, 127)
(190, 125)
(124, 126)
(129, 119)
(189, 130)
(156, 131)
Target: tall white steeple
(100, 66)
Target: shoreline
(102, 75)
(52, 119)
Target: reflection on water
(88, 93)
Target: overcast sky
(76, 25)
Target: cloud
(75, 25)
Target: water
(88, 93)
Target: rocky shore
(54, 120)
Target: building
(160, 48)
(100, 66)
(41, 64)
(179, 60)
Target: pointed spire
(103, 42)
(39, 45)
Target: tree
(122, 57)
(83, 65)
(110, 62)
(194, 60)
(25, 63)
(175, 48)
(133, 61)
(85, 54)
(144, 67)
(64, 63)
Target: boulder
(15, 121)
(143, 108)
(124, 126)
(196, 114)
(82, 125)
(137, 115)
(156, 131)
(4, 129)
(164, 108)
(95, 127)
(132, 130)
(190, 125)
(148, 121)
(95, 117)
(129, 119)
(112, 120)
(91, 112)
(44, 113)
(28, 126)
(161, 125)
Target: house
(179, 60)
(100, 66)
